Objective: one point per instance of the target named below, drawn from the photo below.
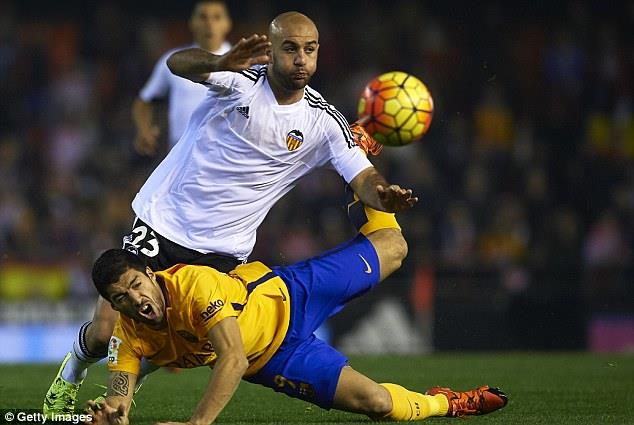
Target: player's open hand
(103, 414)
(246, 53)
(395, 199)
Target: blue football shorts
(304, 366)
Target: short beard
(287, 82)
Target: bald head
(290, 25)
(294, 47)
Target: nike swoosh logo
(368, 269)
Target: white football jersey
(184, 95)
(241, 152)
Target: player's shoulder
(187, 273)
(240, 81)
(320, 106)
(183, 284)
(327, 114)
(254, 74)
(314, 98)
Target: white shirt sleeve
(157, 87)
(227, 82)
(345, 156)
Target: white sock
(75, 369)
(81, 358)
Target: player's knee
(400, 247)
(396, 249)
(391, 248)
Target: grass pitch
(552, 388)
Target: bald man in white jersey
(209, 23)
(258, 131)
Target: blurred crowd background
(524, 233)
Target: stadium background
(524, 234)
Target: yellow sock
(368, 220)
(411, 406)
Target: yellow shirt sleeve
(124, 354)
(210, 302)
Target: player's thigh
(308, 370)
(323, 284)
(359, 394)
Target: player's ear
(114, 307)
(149, 273)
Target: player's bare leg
(359, 394)
(100, 329)
(390, 247)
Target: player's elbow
(237, 362)
(173, 64)
(242, 363)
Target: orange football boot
(480, 401)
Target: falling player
(257, 323)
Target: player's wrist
(215, 63)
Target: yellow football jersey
(197, 298)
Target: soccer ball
(396, 108)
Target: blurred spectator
(605, 244)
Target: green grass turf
(551, 388)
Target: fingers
(261, 60)
(395, 198)
(92, 405)
(95, 412)
(247, 52)
(253, 43)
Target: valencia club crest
(294, 140)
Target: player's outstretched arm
(374, 191)
(196, 64)
(230, 366)
(114, 410)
